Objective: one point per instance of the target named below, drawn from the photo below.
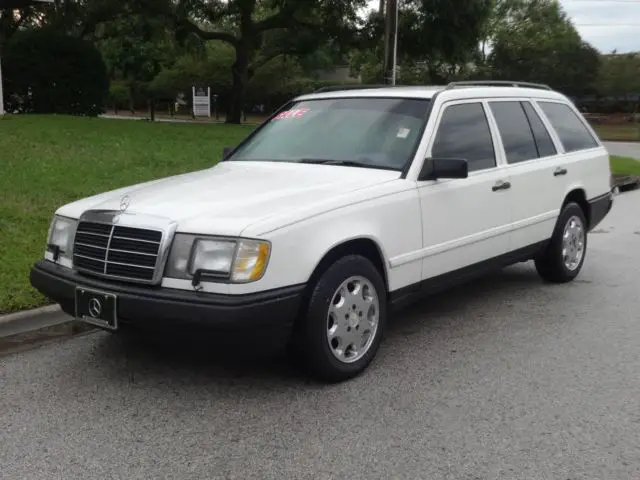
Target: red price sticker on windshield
(296, 113)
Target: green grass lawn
(624, 132)
(625, 165)
(47, 161)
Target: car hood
(230, 196)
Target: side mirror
(226, 151)
(435, 168)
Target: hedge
(48, 72)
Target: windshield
(367, 132)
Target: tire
(324, 341)
(552, 264)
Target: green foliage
(619, 75)
(260, 31)
(436, 38)
(119, 95)
(135, 48)
(49, 72)
(535, 40)
(212, 69)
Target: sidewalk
(181, 118)
(624, 149)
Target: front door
(465, 221)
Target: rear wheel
(562, 259)
(345, 318)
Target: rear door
(534, 164)
(585, 160)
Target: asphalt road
(506, 378)
(624, 149)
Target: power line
(607, 24)
(568, 2)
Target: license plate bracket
(96, 308)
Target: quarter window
(572, 132)
(517, 138)
(545, 145)
(464, 133)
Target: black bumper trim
(261, 314)
(599, 207)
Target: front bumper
(265, 317)
(599, 208)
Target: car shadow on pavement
(202, 362)
(467, 301)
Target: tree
(135, 48)
(534, 40)
(49, 72)
(619, 75)
(435, 38)
(261, 30)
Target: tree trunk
(152, 110)
(240, 73)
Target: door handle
(500, 185)
(559, 171)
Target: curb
(28, 321)
(626, 182)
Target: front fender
(393, 222)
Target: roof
(451, 92)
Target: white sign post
(201, 102)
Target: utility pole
(390, 42)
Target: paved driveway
(506, 378)
(624, 149)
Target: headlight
(234, 260)
(60, 238)
(215, 256)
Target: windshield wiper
(345, 163)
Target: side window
(572, 132)
(546, 148)
(517, 138)
(464, 133)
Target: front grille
(116, 251)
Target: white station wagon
(342, 206)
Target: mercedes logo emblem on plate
(124, 203)
(95, 307)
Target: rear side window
(464, 133)
(517, 138)
(572, 132)
(545, 145)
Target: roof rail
(357, 86)
(497, 83)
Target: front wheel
(345, 319)
(563, 258)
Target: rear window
(572, 132)
(381, 132)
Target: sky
(605, 24)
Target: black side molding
(404, 296)
(599, 207)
